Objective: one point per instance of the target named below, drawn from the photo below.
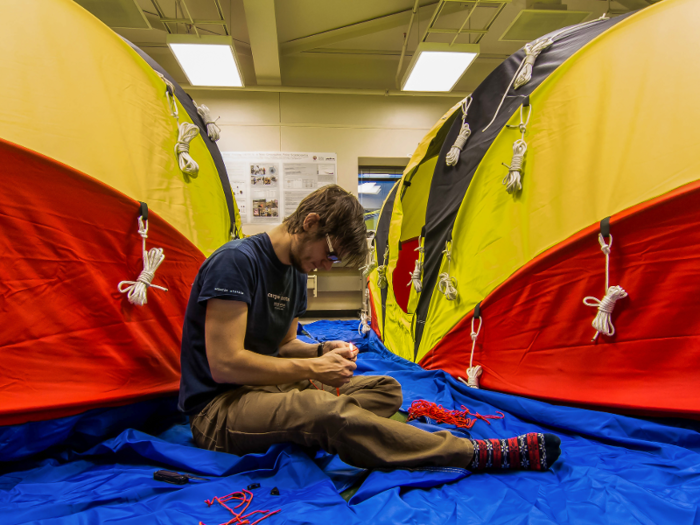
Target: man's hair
(341, 217)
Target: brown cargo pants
(354, 425)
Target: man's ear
(311, 222)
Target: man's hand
(333, 345)
(336, 367)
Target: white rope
(364, 327)
(170, 95)
(602, 322)
(366, 313)
(368, 268)
(464, 132)
(532, 51)
(382, 281)
(152, 259)
(474, 372)
(186, 132)
(213, 131)
(523, 74)
(418, 270)
(513, 180)
(370, 261)
(446, 284)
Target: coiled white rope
(464, 132)
(532, 51)
(513, 180)
(523, 74)
(602, 322)
(446, 284)
(473, 372)
(366, 313)
(364, 327)
(213, 131)
(418, 269)
(370, 261)
(382, 281)
(152, 259)
(186, 132)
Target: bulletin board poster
(269, 186)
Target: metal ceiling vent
(540, 18)
(117, 13)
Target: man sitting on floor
(248, 382)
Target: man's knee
(392, 389)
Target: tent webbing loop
(152, 259)
(602, 322)
(513, 179)
(464, 132)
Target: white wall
(352, 126)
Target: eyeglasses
(332, 256)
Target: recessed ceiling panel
(117, 13)
(530, 24)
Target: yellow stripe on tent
(420, 171)
(612, 127)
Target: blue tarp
(613, 469)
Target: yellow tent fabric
(101, 109)
(419, 172)
(612, 127)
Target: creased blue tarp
(613, 469)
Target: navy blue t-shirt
(245, 270)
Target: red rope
(239, 518)
(421, 407)
(337, 390)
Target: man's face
(309, 253)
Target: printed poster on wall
(269, 186)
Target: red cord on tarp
(421, 407)
(246, 498)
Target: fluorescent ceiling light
(369, 188)
(207, 61)
(438, 67)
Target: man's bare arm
(293, 347)
(230, 362)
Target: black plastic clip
(605, 227)
(254, 486)
(477, 310)
(174, 477)
(275, 492)
(144, 210)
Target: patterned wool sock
(533, 451)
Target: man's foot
(533, 451)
